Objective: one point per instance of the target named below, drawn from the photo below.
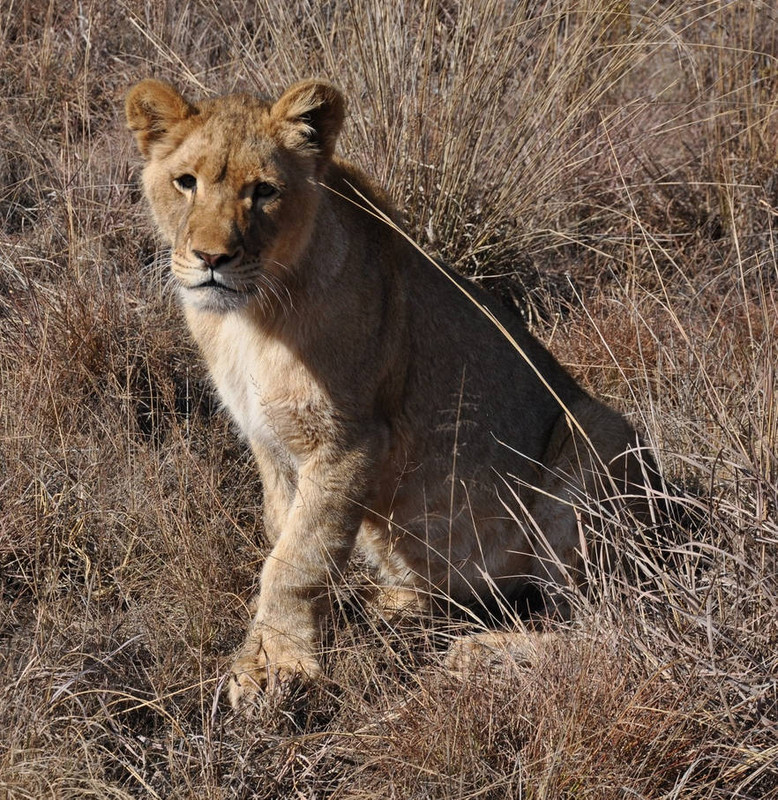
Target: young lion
(383, 406)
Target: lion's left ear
(310, 115)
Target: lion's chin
(213, 297)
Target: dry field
(608, 168)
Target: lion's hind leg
(494, 649)
(596, 479)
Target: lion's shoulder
(349, 181)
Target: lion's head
(232, 183)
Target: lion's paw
(261, 668)
(468, 654)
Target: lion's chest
(268, 391)
(241, 391)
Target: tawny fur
(383, 407)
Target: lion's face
(233, 185)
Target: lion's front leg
(316, 540)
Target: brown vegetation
(610, 169)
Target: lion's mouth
(213, 295)
(212, 283)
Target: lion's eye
(262, 191)
(186, 182)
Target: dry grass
(609, 168)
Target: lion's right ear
(152, 108)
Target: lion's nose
(216, 260)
